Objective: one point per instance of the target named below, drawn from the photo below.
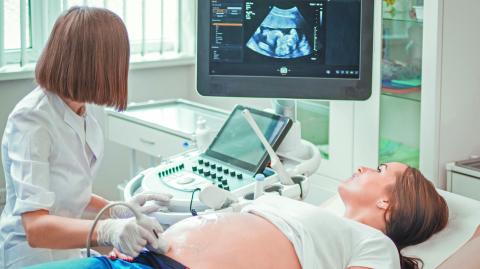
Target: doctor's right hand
(130, 237)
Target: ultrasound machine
(281, 49)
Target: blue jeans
(91, 263)
(146, 260)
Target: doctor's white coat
(50, 157)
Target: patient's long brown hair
(416, 212)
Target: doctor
(52, 148)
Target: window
(159, 30)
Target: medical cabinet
(463, 178)
(161, 129)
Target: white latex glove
(145, 203)
(130, 237)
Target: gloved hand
(130, 237)
(145, 203)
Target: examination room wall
(144, 85)
(460, 128)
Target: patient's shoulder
(366, 239)
(374, 249)
(365, 231)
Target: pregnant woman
(387, 209)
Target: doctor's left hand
(146, 203)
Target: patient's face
(369, 185)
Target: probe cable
(193, 211)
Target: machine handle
(145, 141)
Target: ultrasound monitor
(306, 49)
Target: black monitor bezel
(285, 87)
(254, 169)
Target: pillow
(467, 257)
(463, 221)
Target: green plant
(390, 2)
(390, 7)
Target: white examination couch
(457, 246)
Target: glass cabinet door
(400, 101)
(315, 119)
(329, 126)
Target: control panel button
(220, 186)
(200, 161)
(232, 173)
(239, 176)
(225, 171)
(225, 182)
(220, 178)
(194, 168)
(214, 176)
(219, 168)
(207, 173)
(207, 163)
(213, 166)
(227, 188)
(200, 170)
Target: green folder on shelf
(393, 151)
(410, 82)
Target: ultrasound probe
(276, 164)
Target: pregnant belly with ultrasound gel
(230, 241)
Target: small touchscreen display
(237, 143)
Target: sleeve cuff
(43, 201)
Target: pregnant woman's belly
(230, 241)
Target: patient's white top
(324, 240)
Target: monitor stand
(293, 139)
(293, 146)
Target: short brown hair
(86, 58)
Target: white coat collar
(93, 137)
(79, 123)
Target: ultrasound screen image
(282, 35)
(297, 38)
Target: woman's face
(368, 187)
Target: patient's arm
(230, 241)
